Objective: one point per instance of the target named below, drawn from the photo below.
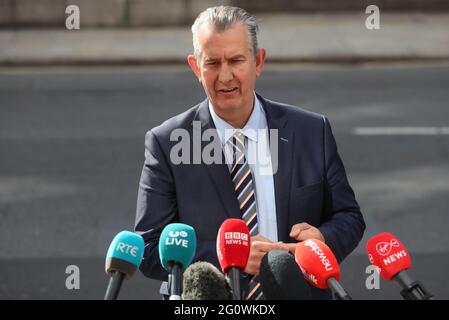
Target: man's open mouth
(228, 89)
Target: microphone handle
(114, 285)
(338, 290)
(234, 277)
(175, 281)
(412, 290)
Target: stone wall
(144, 13)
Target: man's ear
(260, 61)
(191, 59)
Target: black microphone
(203, 281)
(281, 279)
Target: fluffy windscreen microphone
(203, 281)
(281, 279)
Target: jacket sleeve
(157, 207)
(343, 224)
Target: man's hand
(259, 247)
(304, 231)
(292, 247)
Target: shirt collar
(256, 121)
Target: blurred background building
(146, 13)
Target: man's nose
(225, 74)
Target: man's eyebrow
(238, 56)
(235, 57)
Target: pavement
(322, 37)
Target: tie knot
(237, 144)
(240, 139)
(238, 134)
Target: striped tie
(245, 192)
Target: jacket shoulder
(297, 114)
(180, 121)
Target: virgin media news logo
(384, 248)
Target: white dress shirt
(259, 160)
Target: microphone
(281, 279)
(124, 256)
(203, 281)
(320, 267)
(233, 246)
(177, 246)
(389, 255)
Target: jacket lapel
(277, 120)
(219, 173)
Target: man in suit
(304, 193)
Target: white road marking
(401, 131)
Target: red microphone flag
(233, 244)
(317, 262)
(386, 252)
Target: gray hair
(222, 18)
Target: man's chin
(228, 108)
(227, 105)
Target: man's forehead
(231, 42)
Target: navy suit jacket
(310, 186)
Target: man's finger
(281, 246)
(312, 233)
(253, 265)
(298, 228)
(258, 237)
(291, 247)
(252, 268)
(263, 246)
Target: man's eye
(211, 63)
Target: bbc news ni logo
(72, 22)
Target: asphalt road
(71, 151)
